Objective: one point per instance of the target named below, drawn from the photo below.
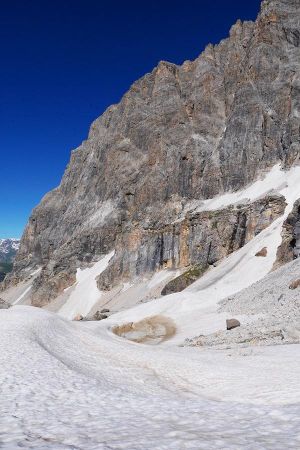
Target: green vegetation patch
(185, 279)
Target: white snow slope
(86, 293)
(68, 385)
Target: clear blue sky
(64, 61)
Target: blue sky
(63, 62)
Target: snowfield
(86, 293)
(78, 385)
(67, 385)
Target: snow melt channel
(86, 293)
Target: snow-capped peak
(8, 249)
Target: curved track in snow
(67, 385)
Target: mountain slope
(8, 251)
(180, 135)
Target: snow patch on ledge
(86, 293)
(274, 181)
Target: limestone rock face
(181, 133)
(200, 239)
(290, 246)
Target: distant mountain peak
(8, 249)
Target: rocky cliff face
(180, 134)
(290, 246)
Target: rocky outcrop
(3, 304)
(290, 245)
(200, 240)
(184, 280)
(181, 133)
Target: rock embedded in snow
(184, 280)
(78, 318)
(99, 316)
(262, 253)
(3, 304)
(232, 323)
(295, 284)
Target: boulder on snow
(184, 280)
(295, 284)
(104, 311)
(263, 252)
(232, 323)
(3, 304)
(99, 316)
(78, 317)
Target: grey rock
(232, 323)
(3, 304)
(181, 282)
(295, 284)
(289, 248)
(99, 316)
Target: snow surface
(65, 385)
(77, 385)
(86, 293)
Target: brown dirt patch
(262, 253)
(152, 330)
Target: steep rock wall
(180, 133)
